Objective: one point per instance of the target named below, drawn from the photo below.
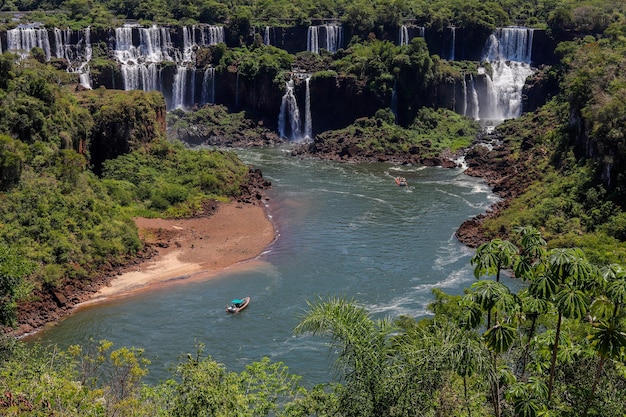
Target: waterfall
(266, 36)
(452, 49)
(289, 109)
(211, 35)
(208, 86)
(140, 52)
(312, 39)
(475, 106)
(510, 44)
(333, 39)
(464, 111)
(179, 88)
(509, 52)
(407, 33)
(22, 39)
(75, 48)
(83, 68)
(404, 35)
(308, 122)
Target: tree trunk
(469, 410)
(553, 360)
(495, 387)
(527, 348)
(596, 379)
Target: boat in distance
(400, 181)
(237, 305)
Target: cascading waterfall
(404, 35)
(474, 103)
(452, 48)
(83, 68)
(407, 33)
(308, 122)
(289, 110)
(509, 53)
(77, 54)
(333, 39)
(266, 35)
(22, 39)
(312, 39)
(140, 62)
(208, 86)
(180, 87)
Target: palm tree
(608, 340)
(609, 336)
(495, 297)
(532, 307)
(533, 253)
(567, 271)
(494, 256)
(365, 356)
(469, 357)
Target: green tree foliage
(14, 269)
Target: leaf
(500, 337)
(572, 303)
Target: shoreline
(236, 234)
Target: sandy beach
(190, 247)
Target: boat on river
(237, 305)
(400, 181)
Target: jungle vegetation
(489, 352)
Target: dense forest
(76, 166)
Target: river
(343, 230)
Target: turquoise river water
(343, 230)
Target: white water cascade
(24, 38)
(473, 97)
(453, 46)
(208, 86)
(308, 122)
(509, 55)
(406, 33)
(180, 87)
(266, 35)
(332, 41)
(75, 48)
(141, 56)
(139, 62)
(289, 110)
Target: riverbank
(175, 250)
(235, 233)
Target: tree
(494, 256)
(365, 355)
(608, 337)
(567, 272)
(13, 270)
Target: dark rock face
(506, 175)
(123, 121)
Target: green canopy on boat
(237, 301)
